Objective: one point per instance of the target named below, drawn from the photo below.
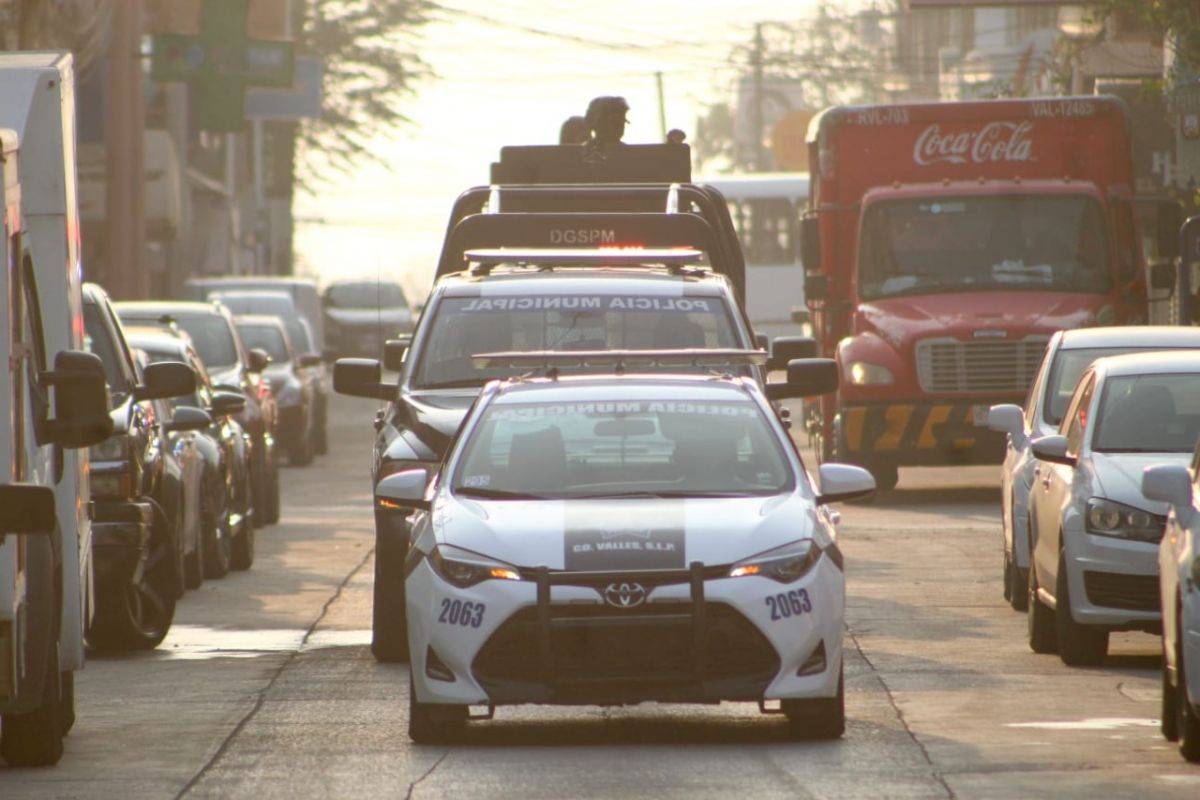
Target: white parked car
(1179, 596)
(1094, 566)
(599, 540)
(1068, 354)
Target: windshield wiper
(663, 495)
(497, 494)
(462, 383)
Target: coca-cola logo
(995, 141)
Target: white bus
(766, 208)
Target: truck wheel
(137, 616)
(434, 723)
(1043, 637)
(820, 718)
(886, 475)
(389, 623)
(1078, 645)
(35, 739)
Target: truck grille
(1115, 590)
(951, 365)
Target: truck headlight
(862, 373)
(783, 564)
(1107, 518)
(464, 568)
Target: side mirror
(1010, 419)
(187, 418)
(1162, 275)
(404, 489)
(816, 287)
(310, 360)
(1168, 221)
(81, 401)
(394, 351)
(787, 348)
(225, 404)
(26, 508)
(361, 377)
(810, 244)
(806, 377)
(166, 379)
(257, 359)
(1168, 483)
(844, 482)
(1052, 448)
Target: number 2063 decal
(789, 604)
(462, 612)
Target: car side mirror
(81, 402)
(26, 508)
(844, 482)
(187, 418)
(810, 244)
(405, 489)
(1009, 418)
(361, 377)
(816, 287)
(1052, 448)
(310, 360)
(394, 352)
(1169, 483)
(166, 379)
(1162, 275)
(787, 348)
(226, 404)
(806, 377)
(257, 359)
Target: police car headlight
(784, 564)
(1106, 518)
(464, 568)
(861, 373)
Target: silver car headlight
(783, 564)
(1108, 518)
(464, 568)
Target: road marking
(1093, 724)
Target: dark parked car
(222, 485)
(137, 499)
(294, 383)
(360, 315)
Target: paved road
(266, 687)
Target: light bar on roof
(576, 257)
(622, 359)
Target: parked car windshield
(1149, 414)
(1066, 370)
(211, 337)
(654, 447)
(96, 340)
(464, 326)
(996, 242)
(269, 338)
(365, 295)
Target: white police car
(615, 539)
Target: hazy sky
(498, 84)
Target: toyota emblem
(625, 595)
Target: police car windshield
(640, 448)
(464, 326)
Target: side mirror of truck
(361, 377)
(166, 379)
(810, 243)
(816, 286)
(1168, 221)
(26, 508)
(806, 377)
(81, 402)
(1162, 275)
(786, 348)
(394, 351)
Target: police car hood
(626, 533)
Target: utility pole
(124, 271)
(662, 107)
(756, 126)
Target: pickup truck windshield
(464, 326)
(973, 243)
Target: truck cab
(945, 243)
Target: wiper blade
(663, 495)
(498, 494)
(464, 383)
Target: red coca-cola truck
(944, 244)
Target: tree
(369, 54)
(1180, 17)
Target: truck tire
(35, 739)
(389, 622)
(1078, 645)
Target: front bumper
(920, 432)
(552, 639)
(1113, 582)
(121, 534)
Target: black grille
(1114, 590)
(651, 649)
(949, 365)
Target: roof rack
(548, 258)
(621, 360)
(614, 163)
